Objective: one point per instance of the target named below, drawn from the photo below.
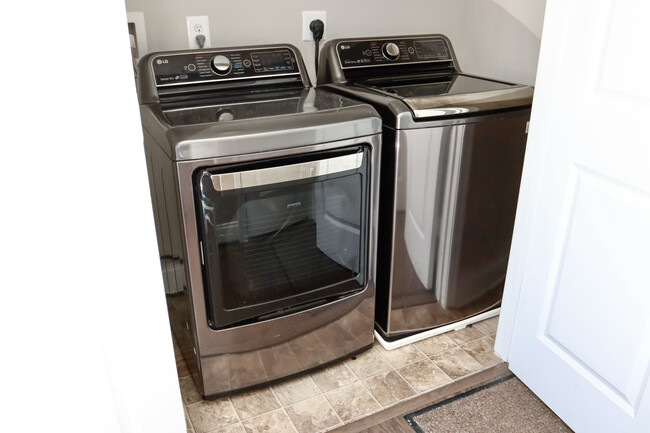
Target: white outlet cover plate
(137, 18)
(308, 17)
(203, 20)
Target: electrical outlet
(137, 34)
(307, 18)
(198, 26)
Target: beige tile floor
(346, 391)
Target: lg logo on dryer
(162, 61)
(345, 47)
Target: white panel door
(581, 337)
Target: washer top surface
(244, 125)
(248, 107)
(449, 94)
(437, 85)
(233, 101)
(414, 80)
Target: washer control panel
(209, 66)
(379, 52)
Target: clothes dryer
(265, 203)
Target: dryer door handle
(286, 173)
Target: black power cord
(317, 28)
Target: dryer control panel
(380, 52)
(205, 66)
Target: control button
(224, 115)
(367, 53)
(411, 50)
(247, 63)
(191, 67)
(221, 65)
(390, 51)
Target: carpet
(506, 405)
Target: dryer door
(282, 235)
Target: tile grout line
(473, 357)
(413, 362)
(289, 418)
(338, 424)
(395, 369)
(342, 363)
(307, 376)
(366, 388)
(321, 394)
(426, 358)
(441, 351)
(381, 407)
(284, 408)
(342, 423)
(440, 385)
(335, 412)
(468, 374)
(275, 394)
(188, 418)
(448, 350)
(408, 383)
(236, 413)
(417, 393)
(357, 378)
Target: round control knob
(221, 65)
(390, 51)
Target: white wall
(496, 38)
(530, 13)
(503, 39)
(86, 345)
(249, 22)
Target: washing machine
(264, 192)
(452, 156)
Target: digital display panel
(431, 50)
(272, 61)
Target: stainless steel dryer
(264, 195)
(451, 164)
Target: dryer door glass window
(282, 235)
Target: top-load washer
(264, 196)
(451, 164)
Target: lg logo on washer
(345, 47)
(162, 61)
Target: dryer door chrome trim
(286, 173)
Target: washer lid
(251, 106)
(226, 127)
(450, 94)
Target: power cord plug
(200, 39)
(317, 28)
